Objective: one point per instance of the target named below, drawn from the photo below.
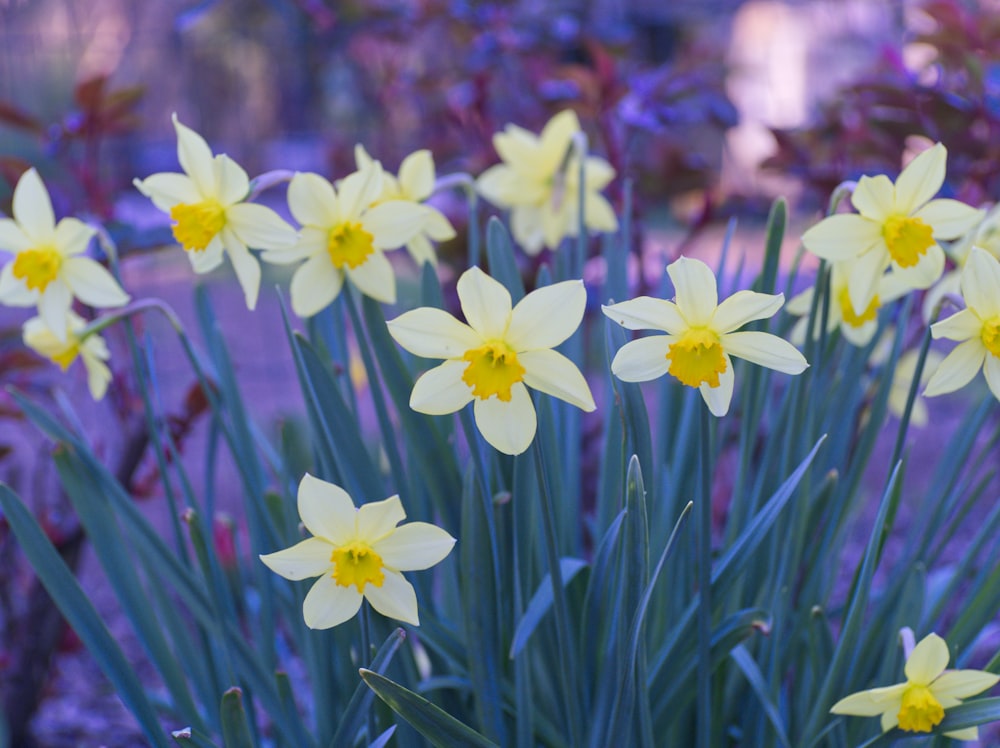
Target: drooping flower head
(211, 218)
(92, 350)
(700, 335)
(919, 704)
(897, 225)
(342, 236)
(498, 353)
(49, 266)
(977, 328)
(539, 180)
(414, 184)
(357, 553)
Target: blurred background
(711, 107)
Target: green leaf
(541, 602)
(500, 252)
(188, 736)
(235, 730)
(439, 727)
(758, 684)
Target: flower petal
(396, 598)
(245, 264)
(72, 236)
(311, 241)
(949, 218)
(416, 175)
(308, 558)
(433, 333)
(961, 684)
(981, 283)
(326, 510)
(392, 224)
(375, 278)
(196, 159)
(765, 349)
(32, 208)
(168, 189)
(98, 374)
(959, 326)
(555, 140)
(926, 272)
(485, 303)
(647, 313)
(92, 283)
(968, 734)
(437, 226)
(865, 276)
(312, 200)
(921, 179)
(503, 186)
(842, 237)
(358, 191)
(874, 197)
(421, 250)
(552, 373)
(696, 291)
(598, 213)
(53, 305)
(209, 258)
(12, 238)
(927, 660)
(521, 150)
(414, 546)
(718, 398)
(259, 227)
(547, 316)
(315, 284)
(597, 173)
(231, 182)
(13, 291)
(643, 359)
(328, 604)
(377, 519)
(991, 370)
(743, 307)
(441, 390)
(957, 369)
(508, 426)
(527, 226)
(871, 703)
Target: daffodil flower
(207, 204)
(414, 184)
(342, 236)
(497, 355)
(897, 225)
(539, 180)
(977, 327)
(700, 335)
(919, 704)
(357, 553)
(49, 266)
(92, 349)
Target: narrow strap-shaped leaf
(188, 736)
(235, 730)
(758, 685)
(541, 603)
(500, 252)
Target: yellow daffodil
(919, 704)
(539, 180)
(49, 267)
(857, 329)
(211, 218)
(92, 350)
(357, 553)
(977, 327)
(415, 184)
(897, 225)
(494, 358)
(701, 335)
(342, 236)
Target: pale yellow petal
(12, 238)
(416, 175)
(527, 226)
(521, 150)
(961, 684)
(315, 284)
(647, 313)
(598, 173)
(865, 276)
(308, 558)
(719, 398)
(949, 218)
(414, 546)
(433, 333)
(842, 237)
(991, 370)
(195, 158)
(928, 660)
(441, 390)
(486, 304)
(556, 139)
(358, 191)
(32, 208)
(958, 368)
(168, 189)
(599, 215)
(375, 278)
(98, 373)
(377, 519)
(921, 179)
(259, 227)
(392, 224)
(396, 598)
(743, 307)
(643, 359)
(437, 226)
(969, 733)
(508, 426)
(874, 197)
(231, 182)
(547, 316)
(696, 291)
(326, 510)
(245, 264)
(92, 283)
(926, 272)
(312, 200)
(53, 304)
(328, 604)
(872, 702)
(72, 237)
(552, 373)
(960, 326)
(764, 349)
(981, 283)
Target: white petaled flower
(49, 266)
(897, 225)
(207, 204)
(539, 180)
(902, 381)
(358, 554)
(415, 184)
(343, 236)
(92, 350)
(494, 356)
(700, 335)
(977, 328)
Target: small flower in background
(902, 380)
(49, 267)
(494, 358)
(701, 335)
(919, 704)
(357, 553)
(897, 225)
(92, 350)
(414, 184)
(343, 237)
(977, 327)
(539, 180)
(857, 329)
(211, 219)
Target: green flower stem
(842, 190)
(567, 671)
(704, 701)
(579, 147)
(106, 320)
(266, 181)
(465, 182)
(364, 619)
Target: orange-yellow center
(356, 563)
(696, 358)
(37, 267)
(493, 369)
(349, 244)
(850, 316)
(196, 224)
(991, 335)
(919, 710)
(908, 239)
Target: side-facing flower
(207, 204)
(919, 704)
(92, 349)
(497, 355)
(896, 225)
(977, 328)
(539, 180)
(49, 266)
(700, 335)
(342, 236)
(357, 553)
(415, 184)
